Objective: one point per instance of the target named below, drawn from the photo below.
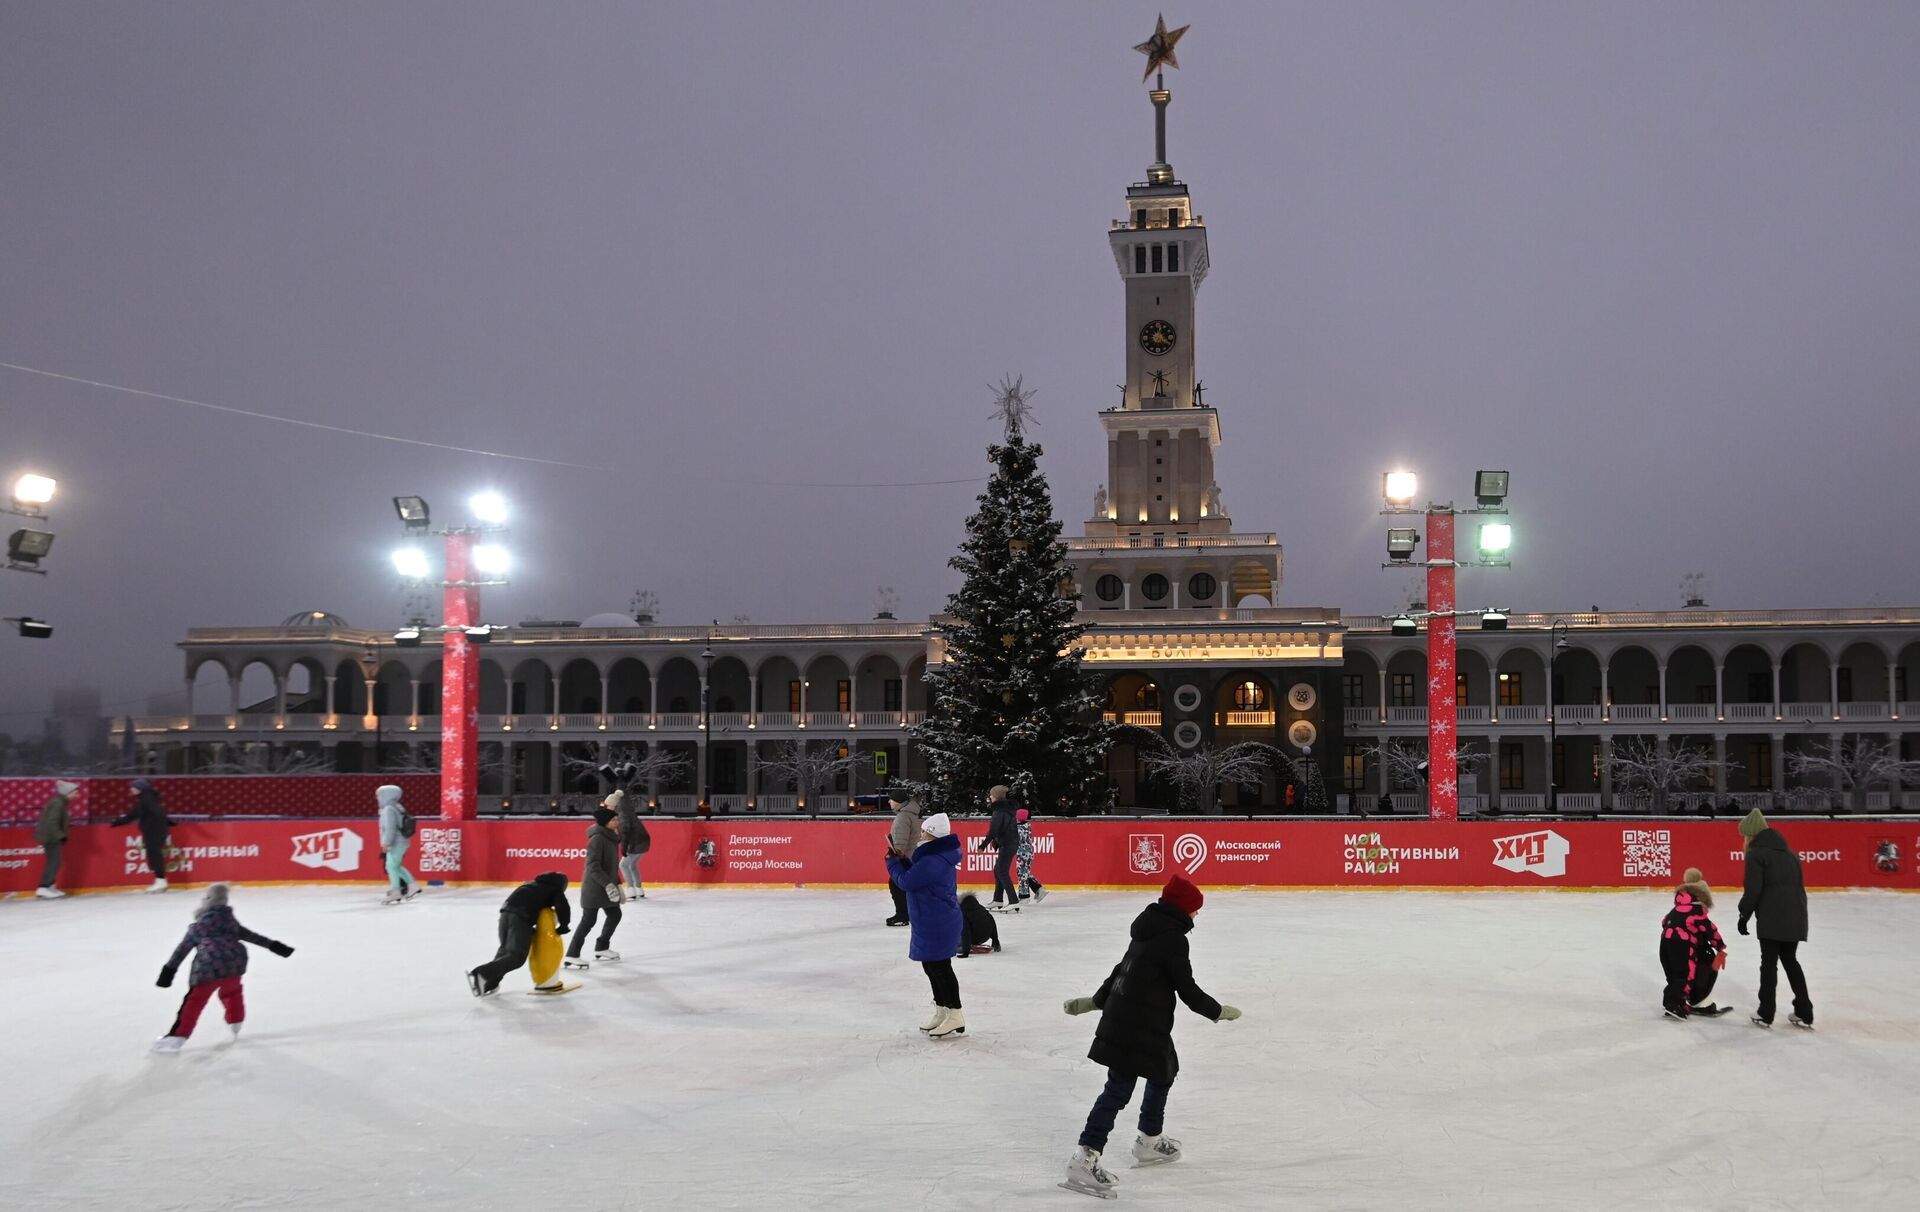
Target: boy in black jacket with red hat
(1135, 1036)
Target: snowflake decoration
(1442, 727)
(1433, 684)
(1446, 631)
(1443, 664)
(1448, 787)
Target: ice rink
(758, 1050)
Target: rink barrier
(1105, 853)
(305, 796)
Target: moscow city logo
(335, 850)
(1543, 853)
(1146, 853)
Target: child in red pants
(218, 942)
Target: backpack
(407, 823)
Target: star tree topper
(1159, 48)
(1013, 405)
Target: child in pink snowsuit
(1691, 950)
(219, 943)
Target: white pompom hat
(937, 825)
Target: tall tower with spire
(1161, 488)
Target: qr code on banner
(440, 850)
(1647, 852)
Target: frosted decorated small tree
(1009, 703)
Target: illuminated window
(1146, 697)
(1513, 767)
(843, 695)
(1509, 690)
(793, 697)
(1250, 696)
(1402, 690)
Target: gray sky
(1658, 259)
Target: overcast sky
(1660, 260)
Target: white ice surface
(758, 1049)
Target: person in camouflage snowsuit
(1023, 860)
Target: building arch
(727, 686)
(779, 685)
(495, 697)
(1633, 676)
(259, 688)
(1804, 673)
(679, 689)
(530, 688)
(1863, 672)
(1690, 675)
(1247, 579)
(823, 677)
(1747, 675)
(580, 688)
(393, 690)
(629, 687)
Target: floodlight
(28, 546)
(1495, 538)
(33, 629)
(31, 489)
(488, 507)
(1400, 487)
(413, 512)
(1490, 487)
(491, 560)
(1401, 541)
(1493, 620)
(479, 635)
(407, 637)
(1403, 625)
(411, 563)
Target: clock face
(1157, 337)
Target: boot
(939, 1015)
(955, 1023)
(159, 885)
(1085, 1175)
(169, 1044)
(1155, 1150)
(391, 898)
(605, 955)
(48, 894)
(574, 961)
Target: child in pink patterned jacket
(1691, 950)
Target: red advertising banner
(1086, 853)
(286, 795)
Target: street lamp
(1559, 633)
(1400, 487)
(706, 738)
(32, 629)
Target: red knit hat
(1182, 895)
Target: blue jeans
(1113, 1099)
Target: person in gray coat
(51, 832)
(599, 890)
(396, 834)
(901, 840)
(634, 841)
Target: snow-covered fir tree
(1010, 704)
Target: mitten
(1742, 924)
(1719, 961)
(1228, 1014)
(1079, 1005)
(166, 977)
(280, 949)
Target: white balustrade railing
(826, 719)
(1910, 801)
(629, 721)
(729, 803)
(1910, 711)
(1691, 712)
(1749, 711)
(684, 805)
(1577, 713)
(1807, 711)
(1471, 714)
(1246, 719)
(1409, 801)
(1879, 801)
(776, 803)
(727, 719)
(824, 804)
(1579, 801)
(1524, 713)
(778, 719)
(879, 719)
(1141, 719)
(1863, 711)
(1635, 713)
(1359, 717)
(579, 721)
(911, 718)
(1406, 715)
(678, 720)
(1523, 801)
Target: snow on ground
(758, 1050)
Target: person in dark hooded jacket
(1691, 950)
(1776, 893)
(518, 913)
(599, 890)
(1003, 835)
(218, 942)
(1135, 1036)
(154, 824)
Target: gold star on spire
(1159, 48)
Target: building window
(1156, 258)
(1173, 258)
(1352, 689)
(677, 704)
(843, 695)
(1109, 587)
(1402, 690)
(1154, 587)
(890, 694)
(1513, 767)
(1250, 696)
(1559, 764)
(1900, 684)
(1760, 764)
(1460, 688)
(1173, 216)
(1845, 683)
(1353, 767)
(1201, 585)
(1140, 218)
(1510, 690)
(1146, 697)
(793, 697)
(726, 771)
(1759, 688)
(1139, 258)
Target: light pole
(1399, 488)
(468, 568)
(1559, 633)
(706, 733)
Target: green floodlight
(1495, 538)
(1490, 487)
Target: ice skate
(1679, 1016)
(896, 921)
(1799, 1022)
(939, 1013)
(233, 1030)
(48, 894)
(574, 961)
(606, 956)
(1085, 1175)
(159, 885)
(1761, 1022)
(169, 1044)
(1039, 894)
(1155, 1150)
(479, 986)
(412, 891)
(391, 898)
(955, 1023)
(1709, 1010)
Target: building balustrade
(1244, 719)
(1524, 713)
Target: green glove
(1228, 1014)
(1079, 1005)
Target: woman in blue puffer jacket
(931, 879)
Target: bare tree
(811, 767)
(1640, 764)
(630, 768)
(262, 759)
(1853, 769)
(1198, 773)
(1405, 761)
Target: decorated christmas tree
(1010, 704)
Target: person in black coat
(599, 890)
(154, 823)
(1135, 1036)
(1776, 893)
(977, 927)
(1003, 834)
(517, 917)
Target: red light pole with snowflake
(1442, 611)
(461, 630)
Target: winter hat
(1020, 814)
(998, 792)
(603, 815)
(614, 799)
(937, 825)
(64, 787)
(1182, 895)
(1753, 824)
(1696, 883)
(216, 898)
